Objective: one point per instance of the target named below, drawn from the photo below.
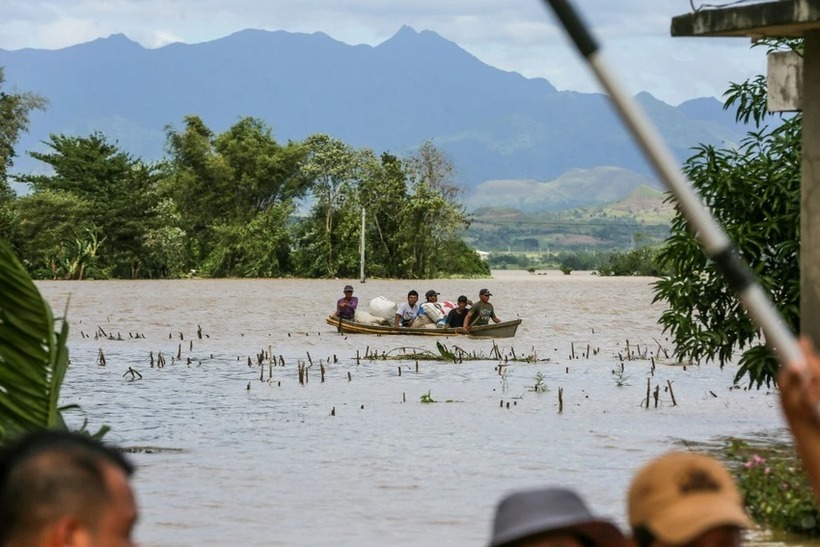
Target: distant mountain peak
(415, 86)
(408, 35)
(118, 38)
(405, 30)
(119, 41)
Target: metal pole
(361, 250)
(715, 241)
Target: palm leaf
(33, 357)
(447, 354)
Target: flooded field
(249, 456)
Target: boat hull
(504, 329)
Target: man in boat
(60, 488)
(455, 319)
(346, 306)
(686, 499)
(481, 312)
(551, 517)
(408, 311)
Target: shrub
(775, 487)
(643, 262)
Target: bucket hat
(532, 512)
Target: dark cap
(462, 298)
(430, 293)
(348, 288)
(482, 292)
(528, 513)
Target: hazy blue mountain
(415, 86)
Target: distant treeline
(641, 261)
(573, 230)
(225, 205)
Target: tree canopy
(15, 109)
(233, 205)
(753, 190)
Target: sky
(514, 35)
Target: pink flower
(755, 461)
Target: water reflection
(265, 462)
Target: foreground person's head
(60, 488)
(550, 517)
(684, 499)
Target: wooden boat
(504, 329)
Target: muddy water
(250, 462)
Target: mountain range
(495, 125)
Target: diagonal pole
(716, 243)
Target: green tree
(50, 222)
(235, 190)
(641, 261)
(327, 237)
(263, 172)
(754, 192)
(14, 119)
(260, 248)
(383, 193)
(197, 183)
(433, 214)
(165, 242)
(113, 199)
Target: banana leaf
(33, 357)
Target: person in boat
(550, 517)
(431, 298)
(799, 385)
(455, 319)
(408, 311)
(481, 312)
(65, 488)
(346, 305)
(684, 499)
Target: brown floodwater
(358, 459)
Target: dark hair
(47, 474)
(642, 536)
(581, 538)
(413, 293)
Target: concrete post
(810, 192)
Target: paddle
(716, 243)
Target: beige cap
(680, 495)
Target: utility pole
(361, 249)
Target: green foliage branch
(753, 191)
(33, 357)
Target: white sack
(384, 308)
